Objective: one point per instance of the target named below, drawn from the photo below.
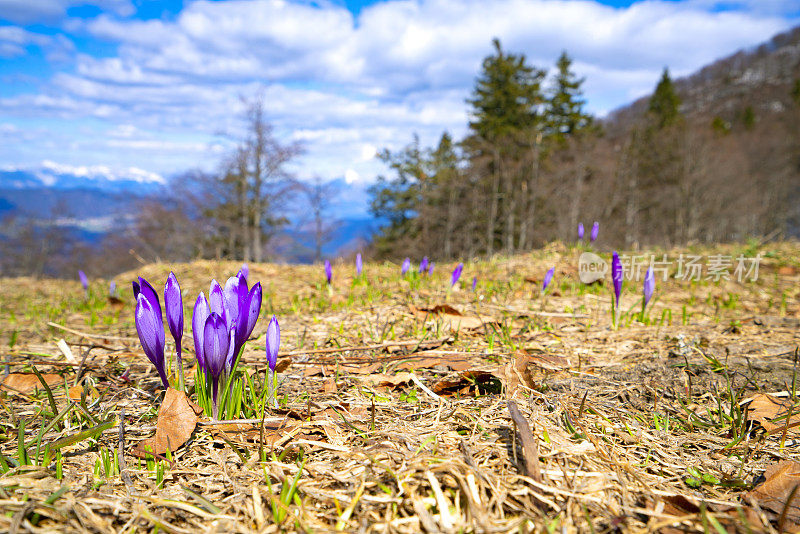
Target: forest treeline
(534, 164)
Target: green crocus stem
(270, 386)
(330, 290)
(214, 407)
(179, 358)
(641, 317)
(275, 390)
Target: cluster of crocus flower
(423, 265)
(221, 325)
(150, 325)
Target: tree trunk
(491, 220)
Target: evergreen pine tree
(565, 115)
(665, 102)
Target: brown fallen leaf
(765, 408)
(428, 362)
(177, 419)
(787, 270)
(465, 381)
(517, 373)
(384, 380)
(343, 369)
(329, 386)
(29, 382)
(450, 317)
(772, 494)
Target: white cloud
(346, 87)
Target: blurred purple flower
(474, 283)
(430, 269)
(150, 327)
(359, 264)
(328, 271)
(405, 267)
(649, 286)
(423, 265)
(273, 343)
(616, 277)
(580, 231)
(595, 231)
(548, 277)
(456, 274)
(84, 280)
(112, 288)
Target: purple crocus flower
(430, 269)
(173, 304)
(217, 350)
(238, 308)
(548, 277)
(359, 264)
(406, 266)
(580, 231)
(273, 343)
(456, 274)
(423, 265)
(649, 286)
(328, 271)
(595, 231)
(474, 283)
(84, 280)
(150, 327)
(112, 288)
(616, 277)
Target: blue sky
(157, 86)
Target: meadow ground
(507, 412)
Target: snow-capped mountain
(54, 175)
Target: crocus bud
(273, 343)
(649, 285)
(595, 231)
(359, 265)
(150, 327)
(406, 266)
(548, 277)
(199, 316)
(616, 276)
(173, 304)
(328, 272)
(84, 280)
(474, 283)
(580, 231)
(423, 265)
(456, 274)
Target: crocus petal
(150, 294)
(406, 266)
(430, 269)
(150, 327)
(216, 344)
(235, 297)
(423, 265)
(328, 271)
(245, 271)
(173, 304)
(616, 275)
(474, 283)
(112, 288)
(199, 317)
(273, 342)
(595, 230)
(136, 289)
(359, 265)
(580, 231)
(649, 285)
(84, 279)
(247, 320)
(216, 301)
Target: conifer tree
(665, 103)
(565, 115)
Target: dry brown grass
(434, 449)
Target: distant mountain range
(94, 201)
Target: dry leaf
(429, 362)
(764, 408)
(177, 419)
(243, 433)
(463, 382)
(382, 379)
(450, 317)
(29, 382)
(329, 386)
(343, 368)
(787, 270)
(772, 494)
(518, 374)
